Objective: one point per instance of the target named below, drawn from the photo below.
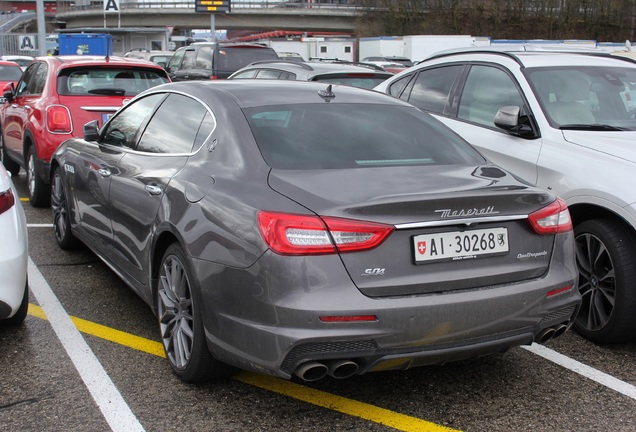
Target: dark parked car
(299, 228)
(347, 73)
(215, 60)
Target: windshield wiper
(592, 127)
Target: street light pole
(39, 15)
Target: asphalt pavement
(88, 358)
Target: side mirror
(7, 92)
(509, 119)
(91, 131)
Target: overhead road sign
(212, 6)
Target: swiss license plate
(457, 245)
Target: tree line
(600, 20)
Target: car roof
(16, 57)
(536, 56)
(228, 44)
(8, 63)
(252, 93)
(87, 60)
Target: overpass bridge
(264, 15)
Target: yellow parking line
(109, 334)
(319, 398)
(24, 199)
(338, 403)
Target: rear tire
(181, 322)
(12, 166)
(60, 212)
(38, 190)
(606, 260)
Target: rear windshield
(111, 81)
(334, 136)
(234, 58)
(10, 73)
(367, 81)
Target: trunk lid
(431, 208)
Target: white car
(21, 60)
(14, 291)
(565, 121)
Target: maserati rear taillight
(553, 219)
(58, 119)
(293, 234)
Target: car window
(361, 80)
(160, 59)
(189, 59)
(175, 62)
(586, 95)
(268, 74)
(122, 129)
(29, 83)
(332, 136)
(486, 90)
(395, 88)
(10, 73)
(204, 58)
(230, 59)
(97, 80)
(175, 126)
(246, 74)
(431, 89)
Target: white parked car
(21, 60)
(14, 292)
(564, 121)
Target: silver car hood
(620, 144)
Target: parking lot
(88, 357)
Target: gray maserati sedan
(310, 230)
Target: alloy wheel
(58, 208)
(175, 312)
(597, 282)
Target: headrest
(576, 88)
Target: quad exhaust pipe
(315, 370)
(550, 333)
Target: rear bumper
(267, 318)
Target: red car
(10, 72)
(55, 98)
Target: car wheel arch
(581, 212)
(27, 143)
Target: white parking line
(111, 403)
(39, 225)
(584, 370)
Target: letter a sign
(111, 6)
